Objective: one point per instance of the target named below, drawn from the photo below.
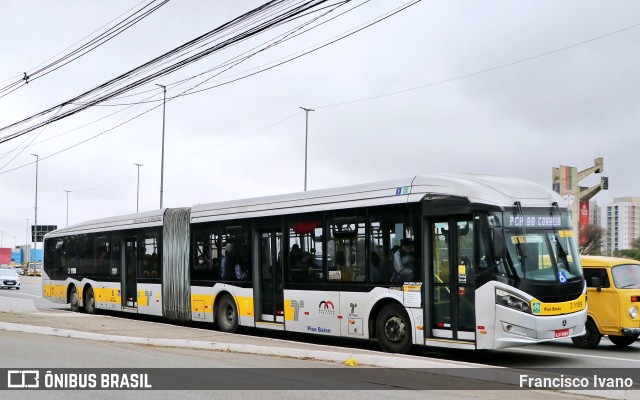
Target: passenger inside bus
(229, 261)
(403, 262)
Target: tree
(591, 242)
(636, 243)
(628, 253)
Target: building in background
(621, 220)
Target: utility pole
(138, 189)
(164, 103)
(306, 139)
(35, 229)
(25, 254)
(67, 206)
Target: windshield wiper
(628, 285)
(522, 250)
(561, 251)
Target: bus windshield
(543, 255)
(541, 247)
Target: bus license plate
(560, 333)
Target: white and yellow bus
(452, 260)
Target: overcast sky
(246, 139)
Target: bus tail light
(634, 299)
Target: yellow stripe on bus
(567, 307)
(204, 303)
(54, 291)
(107, 295)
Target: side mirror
(499, 249)
(595, 282)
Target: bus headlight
(633, 312)
(510, 300)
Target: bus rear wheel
(623, 341)
(393, 329)
(89, 301)
(74, 301)
(227, 315)
(591, 336)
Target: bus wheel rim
(394, 329)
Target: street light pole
(164, 103)
(35, 229)
(68, 191)
(138, 190)
(306, 139)
(26, 241)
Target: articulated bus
(451, 260)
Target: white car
(9, 279)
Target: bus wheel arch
(392, 326)
(591, 337)
(72, 297)
(89, 300)
(226, 313)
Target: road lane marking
(574, 355)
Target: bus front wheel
(74, 301)
(227, 315)
(393, 329)
(591, 336)
(623, 341)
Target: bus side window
(346, 246)
(305, 261)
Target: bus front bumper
(516, 328)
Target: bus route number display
(533, 221)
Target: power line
(85, 48)
(523, 60)
(362, 99)
(279, 19)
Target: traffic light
(604, 182)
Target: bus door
(269, 292)
(129, 272)
(452, 290)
